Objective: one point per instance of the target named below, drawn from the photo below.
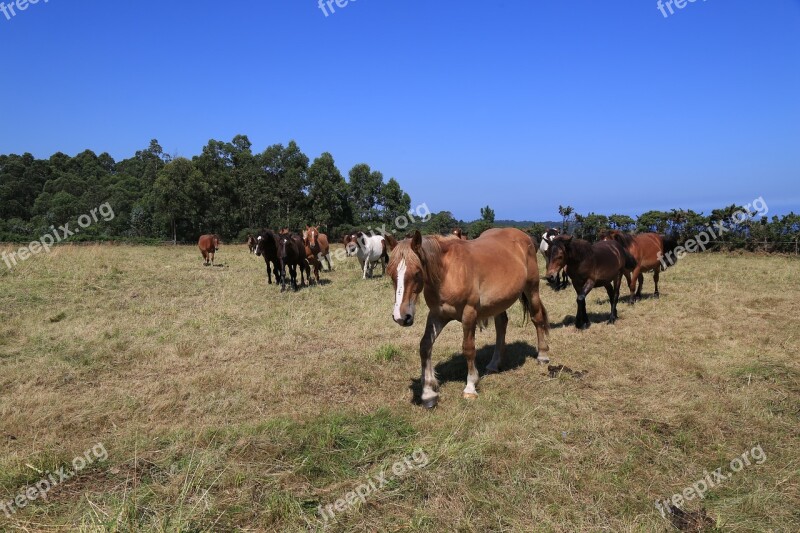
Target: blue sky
(522, 105)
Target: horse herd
(471, 281)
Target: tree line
(228, 189)
(231, 190)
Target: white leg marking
(401, 287)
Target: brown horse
(647, 249)
(318, 242)
(460, 234)
(251, 244)
(209, 245)
(469, 282)
(601, 263)
(313, 261)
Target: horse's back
(501, 259)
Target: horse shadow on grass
(569, 320)
(455, 368)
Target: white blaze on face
(401, 287)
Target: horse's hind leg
(655, 280)
(429, 383)
(542, 324)
(613, 291)
(498, 359)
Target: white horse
(369, 250)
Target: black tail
(630, 262)
(668, 257)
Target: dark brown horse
(267, 247)
(209, 245)
(602, 263)
(647, 249)
(469, 282)
(318, 243)
(460, 234)
(292, 254)
(251, 243)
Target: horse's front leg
(498, 359)
(365, 266)
(632, 278)
(469, 322)
(582, 321)
(269, 274)
(430, 386)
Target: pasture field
(224, 405)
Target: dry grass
(225, 405)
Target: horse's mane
(579, 249)
(625, 239)
(429, 260)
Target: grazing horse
(562, 280)
(209, 245)
(469, 282)
(601, 263)
(292, 254)
(369, 250)
(267, 247)
(318, 242)
(460, 234)
(647, 249)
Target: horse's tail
(668, 257)
(528, 311)
(630, 261)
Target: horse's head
(609, 234)
(284, 245)
(311, 235)
(217, 243)
(557, 256)
(407, 274)
(353, 242)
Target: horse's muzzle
(406, 321)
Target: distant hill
(526, 223)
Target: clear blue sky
(522, 105)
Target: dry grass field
(224, 405)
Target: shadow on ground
(455, 368)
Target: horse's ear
(416, 242)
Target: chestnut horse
(318, 242)
(209, 245)
(647, 249)
(469, 282)
(601, 263)
(313, 261)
